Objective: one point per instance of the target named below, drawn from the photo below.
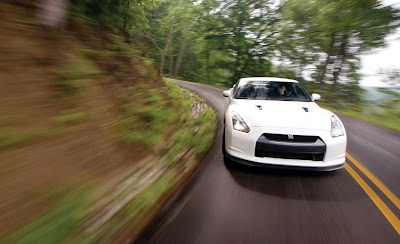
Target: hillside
(92, 140)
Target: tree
(338, 31)
(225, 39)
(118, 15)
(248, 27)
(390, 76)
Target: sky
(382, 58)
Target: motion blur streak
(394, 221)
(379, 184)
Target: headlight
(238, 123)
(336, 127)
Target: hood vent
(305, 109)
(259, 107)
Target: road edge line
(206, 85)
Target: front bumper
(241, 147)
(280, 166)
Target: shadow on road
(298, 185)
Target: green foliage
(119, 15)
(330, 36)
(215, 46)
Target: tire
(223, 144)
(227, 161)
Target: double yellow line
(394, 221)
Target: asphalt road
(248, 205)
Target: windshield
(271, 90)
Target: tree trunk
(182, 50)
(181, 53)
(237, 73)
(165, 51)
(207, 62)
(339, 63)
(323, 68)
(52, 13)
(171, 63)
(125, 30)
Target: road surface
(357, 204)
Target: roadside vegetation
(385, 113)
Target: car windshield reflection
(272, 90)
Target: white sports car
(274, 122)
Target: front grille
(296, 138)
(301, 156)
(300, 147)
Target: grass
(148, 116)
(76, 70)
(149, 195)
(56, 225)
(207, 121)
(71, 118)
(386, 114)
(198, 135)
(161, 113)
(10, 135)
(13, 119)
(92, 53)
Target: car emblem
(290, 137)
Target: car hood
(284, 114)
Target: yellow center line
(394, 221)
(377, 182)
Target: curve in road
(251, 205)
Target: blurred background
(92, 136)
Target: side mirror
(315, 97)
(227, 93)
